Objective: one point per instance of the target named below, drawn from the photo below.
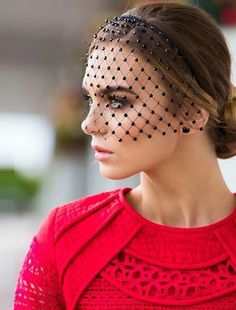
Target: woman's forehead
(118, 64)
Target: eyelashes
(115, 103)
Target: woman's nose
(93, 123)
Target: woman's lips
(101, 153)
(100, 149)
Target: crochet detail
(37, 286)
(101, 294)
(160, 283)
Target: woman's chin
(114, 173)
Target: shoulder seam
(67, 213)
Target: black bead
(185, 130)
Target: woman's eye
(117, 103)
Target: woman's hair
(205, 50)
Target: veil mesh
(128, 85)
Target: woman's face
(128, 112)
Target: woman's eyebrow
(110, 89)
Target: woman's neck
(194, 198)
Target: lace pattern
(158, 283)
(101, 295)
(37, 286)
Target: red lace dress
(98, 253)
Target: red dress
(98, 253)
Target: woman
(161, 104)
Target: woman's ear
(195, 121)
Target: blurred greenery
(16, 190)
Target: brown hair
(207, 54)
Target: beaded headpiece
(129, 82)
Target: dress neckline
(167, 228)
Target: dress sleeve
(38, 286)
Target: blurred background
(45, 159)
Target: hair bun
(230, 108)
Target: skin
(181, 183)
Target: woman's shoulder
(65, 215)
(74, 210)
